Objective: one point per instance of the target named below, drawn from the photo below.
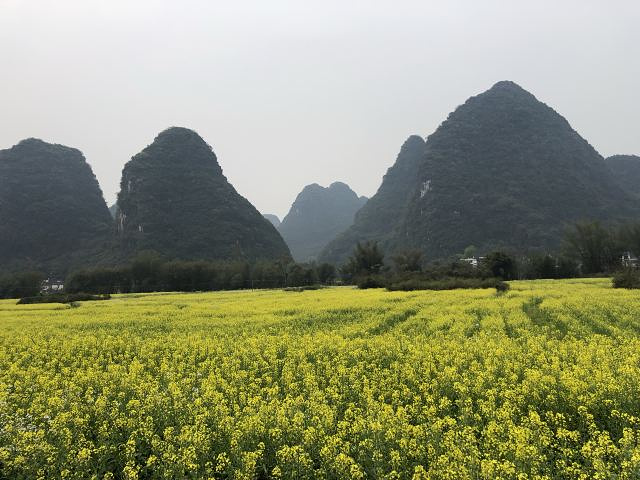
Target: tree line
(149, 272)
(589, 249)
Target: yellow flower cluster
(542, 382)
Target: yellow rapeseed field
(541, 382)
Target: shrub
(502, 265)
(450, 283)
(367, 259)
(627, 278)
(18, 285)
(62, 298)
(371, 281)
(303, 288)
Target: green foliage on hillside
(52, 213)
(317, 216)
(626, 170)
(175, 200)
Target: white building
(52, 285)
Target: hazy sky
(291, 92)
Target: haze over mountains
(502, 171)
(317, 215)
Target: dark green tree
(24, 284)
(367, 259)
(146, 271)
(501, 265)
(408, 261)
(326, 273)
(594, 246)
(628, 236)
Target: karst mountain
(52, 212)
(175, 200)
(504, 170)
(317, 216)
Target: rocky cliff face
(317, 215)
(503, 171)
(175, 200)
(52, 212)
(113, 210)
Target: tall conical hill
(175, 200)
(503, 171)
(52, 212)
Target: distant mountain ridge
(175, 200)
(503, 171)
(52, 212)
(316, 216)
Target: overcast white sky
(291, 92)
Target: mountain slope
(52, 212)
(316, 216)
(626, 171)
(275, 221)
(382, 215)
(503, 171)
(175, 200)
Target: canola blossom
(541, 382)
